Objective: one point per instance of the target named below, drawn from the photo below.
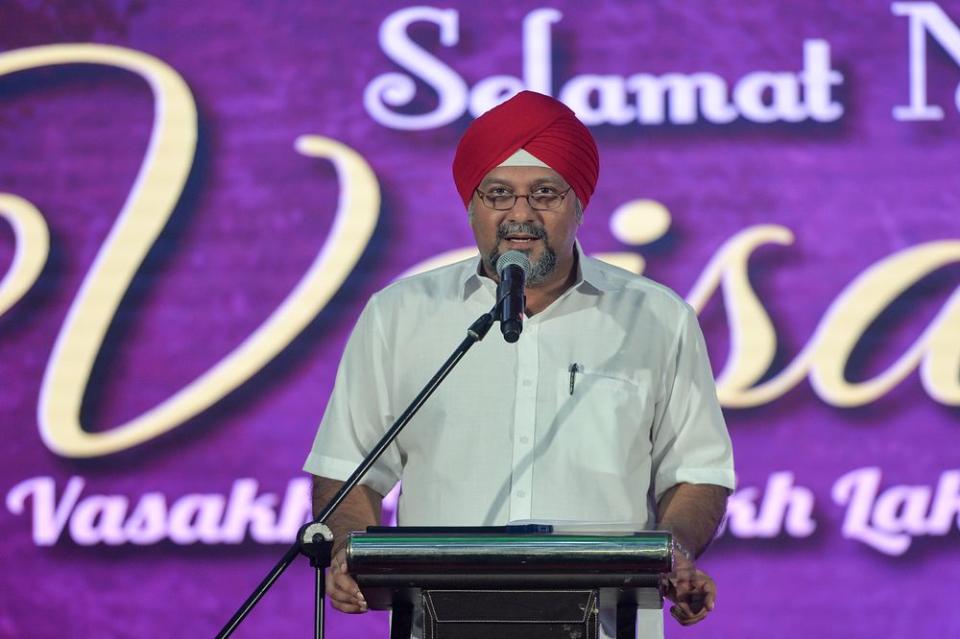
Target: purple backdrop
(827, 119)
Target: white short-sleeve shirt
(504, 438)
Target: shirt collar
(590, 274)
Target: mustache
(508, 228)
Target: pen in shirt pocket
(574, 369)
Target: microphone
(513, 267)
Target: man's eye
(545, 190)
(499, 191)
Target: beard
(540, 269)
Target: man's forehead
(521, 175)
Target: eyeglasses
(537, 201)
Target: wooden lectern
(508, 582)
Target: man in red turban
(604, 410)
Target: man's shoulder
(653, 294)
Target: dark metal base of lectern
(508, 614)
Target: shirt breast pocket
(605, 420)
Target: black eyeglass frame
(516, 196)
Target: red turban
(543, 126)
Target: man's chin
(533, 250)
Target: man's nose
(522, 212)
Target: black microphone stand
(314, 539)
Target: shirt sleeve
(358, 412)
(690, 439)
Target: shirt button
(527, 383)
(521, 493)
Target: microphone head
(514, 258)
